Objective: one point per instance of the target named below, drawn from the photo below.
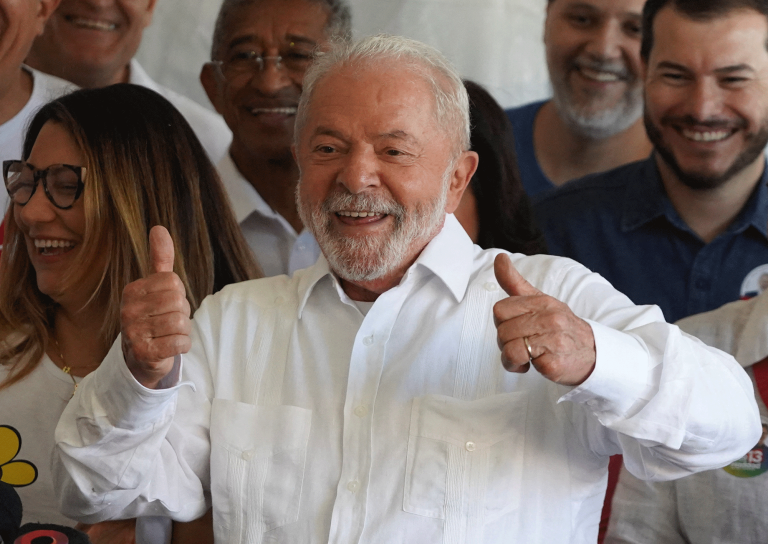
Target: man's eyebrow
(253, 38)
(247, 38)
(300, 39)
(669, 65)
(326, 131)
(398, 134)
(734, 68)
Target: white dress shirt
(210, 127)
(274, 242)
(309, 422)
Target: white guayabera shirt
(311, 423)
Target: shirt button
(471, 446)
(490, 286)
(353, 486)
(247, 455)
(368, 340)
(361, 411)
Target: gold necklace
(65, 369)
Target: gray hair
(339, 24)
(451, 100)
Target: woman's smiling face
(54, 236)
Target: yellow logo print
(16, 473)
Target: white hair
(451, 100)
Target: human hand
(120, 531)
(154, 315)
(562, 346)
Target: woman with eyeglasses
(99, 169)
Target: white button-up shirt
(274, 242)
(309, 422)
(209, 127)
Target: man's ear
(210, 78)
(45, 9)
(462, 174)
(149, 13)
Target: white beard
(368, 258)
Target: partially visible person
(724, 506)
(22, 89)
(494, 209)
(261, 49)
(409, 386)
(94, 176)
(687, 228)
(593, 122)
(92, 44)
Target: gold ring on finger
(528, 347)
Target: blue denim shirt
(622, 225)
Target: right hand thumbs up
(154, 315)
(160, 250)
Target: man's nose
(272, 77)
(360, 171)
(705, 100)
(607, 41)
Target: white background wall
(495, 42)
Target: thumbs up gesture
(154, 315)
(536, 329)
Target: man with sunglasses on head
(261, 49)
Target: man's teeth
(280, 111)
(357, 214)
(602, 77)
(92, 24)
(52, 243)
(712, 136)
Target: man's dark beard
(699, 182)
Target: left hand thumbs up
(510, 279)
(534, 328)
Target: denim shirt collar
(646, 200)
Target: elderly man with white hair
(409, 386)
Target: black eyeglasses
(62, 183)
(295, 59)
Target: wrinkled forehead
(269, 20)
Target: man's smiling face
(90, 36)
(593, 57)
(378, 173)
(260, 105)
(706, 94)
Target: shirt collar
(245, 199)
(646, 199)
(449, 256)
(138, 76)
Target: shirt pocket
(258, 456)
(465, 458)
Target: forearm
(119, 450)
